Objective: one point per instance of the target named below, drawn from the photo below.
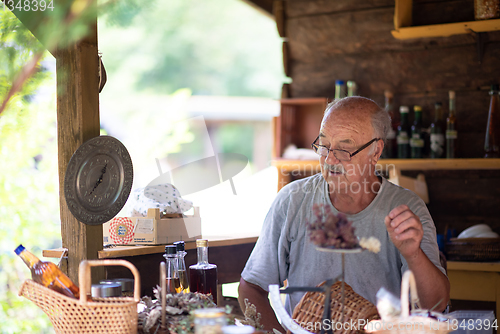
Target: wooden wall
(351, 40)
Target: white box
(151, 230)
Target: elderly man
(350, 142)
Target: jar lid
(202, 243)
(209, 312)
(170, 249)
(106, 290)
(179, 245)
(126, 283)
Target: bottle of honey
(48, 274)
(203, 275)
(183, 277)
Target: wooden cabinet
(298, 123)
(403, 25)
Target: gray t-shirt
(284, 252)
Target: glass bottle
(492, 140)
(352, 88)
(451, 129)
(48, 274)
(403, 134)
(183, 277)
(203, 275)
(437, 132)
(417, 141)
(390, 147)
(339, 89)
(173, 282)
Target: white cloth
(166, 197)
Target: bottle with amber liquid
(492, 140)
(203, 275)
(451, 129)
(172, 277)
(390, 149)
(183, 277)
(48, 274)
(438, 129)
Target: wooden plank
(279, 17)
(468, 285)
(445, 30)
(403, 13)
(474, 266)
(77, 121)
(301, 8)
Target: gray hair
(381, 121)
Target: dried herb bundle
(178, 312)
(331, 231)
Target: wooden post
(77, 122)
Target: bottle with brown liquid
(492, 140)
(173, 281)
(390, 149)
(203, 275)
(48, 274)
(451, 129)
(183, 277)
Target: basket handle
(408, 286)
(84, 276)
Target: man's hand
(405, 231)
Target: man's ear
(378, 151)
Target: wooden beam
(77, 121)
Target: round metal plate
(98, 180)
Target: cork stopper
(451, 94)
(404, 109)
(202, 243)
(388, 94)
(417, 108)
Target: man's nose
(331, 158)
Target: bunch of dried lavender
(329, 230)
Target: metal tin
(127, 284)
(106, 290)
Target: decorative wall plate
(98, 180)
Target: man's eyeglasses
(339, 154)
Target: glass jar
(209, 320)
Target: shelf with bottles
(404, 30)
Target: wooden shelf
(310, 166)
(404, 30)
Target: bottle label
(451, 134)
(402, 138)
(391, 134)
(437, 143)
(416, 142)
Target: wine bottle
(451, 129)
(203, 275)
(437, 132)
(48, 274)
(492, 140)
(417, 141)
(403, 134)
(172, 277)
(183, 277)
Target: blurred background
(185, 80)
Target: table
(478, 281)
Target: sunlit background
(185, 80)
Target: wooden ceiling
(265, 6)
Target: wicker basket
(473, 249)
(103, 315)
(406, 323)
(309, 311)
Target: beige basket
(406, 323)
(309, 311)
(103, 315)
